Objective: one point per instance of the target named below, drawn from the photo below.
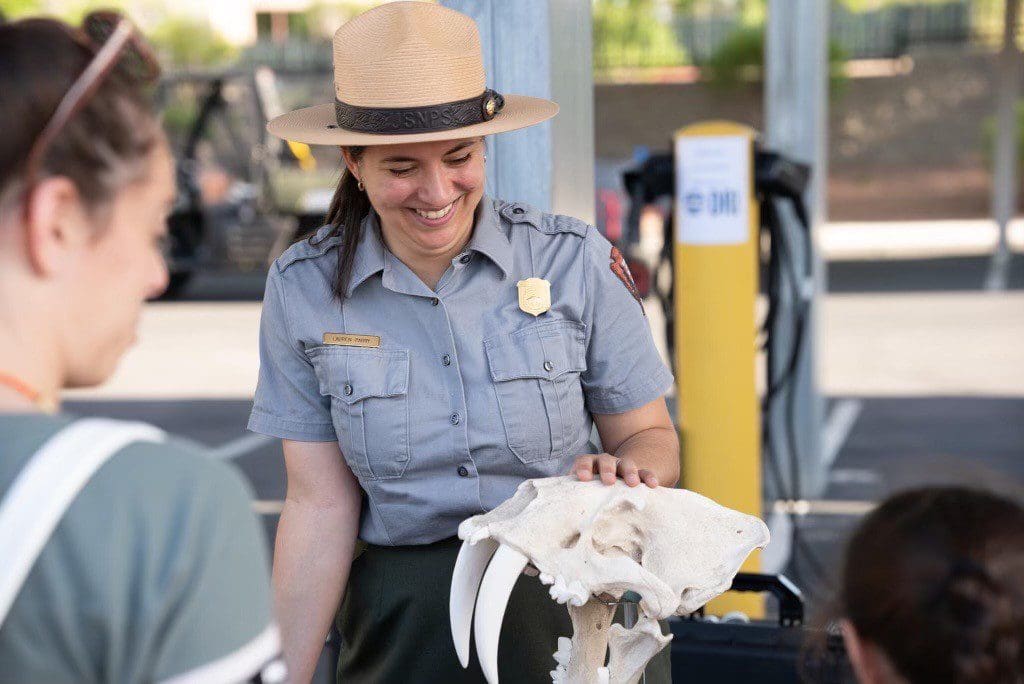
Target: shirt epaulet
(550, 224)
(310, 248)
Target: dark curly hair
(935, 578)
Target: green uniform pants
(395, 628)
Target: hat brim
(317, 125)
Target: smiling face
(425, 193)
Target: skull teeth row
(566, 591)
(560, 675)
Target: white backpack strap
(46, 486)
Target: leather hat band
(442, 117)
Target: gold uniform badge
(534, 295)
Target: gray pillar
(1004, 173)
(796, 97)
(541, 48)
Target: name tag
(346, 340)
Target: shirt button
(548, 366)
(455, 418)
(446, 360)
(465, 258)
(434, 301)
(348, 390)
(463, 472)
(518, 210)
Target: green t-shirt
(157, 570)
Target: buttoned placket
(462, 460)
(400, 279)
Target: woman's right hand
(610, 468)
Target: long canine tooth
(469, 570)
(505, 568)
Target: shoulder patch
(617, 263)
(310, 248)
(517, 212)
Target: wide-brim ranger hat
(409, 72)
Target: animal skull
(675, 548)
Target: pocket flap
(540, 350)
(353, 374)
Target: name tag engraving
(346, 340)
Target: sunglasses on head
(118, 46)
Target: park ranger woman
(430, 349)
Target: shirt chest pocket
(369, 406)
(536, 375)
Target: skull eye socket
(571, 541)
(622, 507)
(629, 549)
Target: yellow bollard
(716, 273)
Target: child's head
(933, 589)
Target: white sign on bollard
(712, 189)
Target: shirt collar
(490, 238)
(373, 257)
(369, 254)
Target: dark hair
(935, 578)
(101, 149)
(349, 206)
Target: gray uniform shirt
(157, 571)
(466, 394)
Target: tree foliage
(757, 8)
(14, 9)
(630, 31)
(743, 52)
(185, 42)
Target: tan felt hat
(409, 72)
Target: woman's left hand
(610, 467)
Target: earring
(485, 157)
(360, 185)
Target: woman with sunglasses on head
(429, 350)
(127, 556)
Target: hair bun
(984, 619)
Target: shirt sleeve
(288, 403)
(215, 622)
(624, 368)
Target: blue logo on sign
(694, 202)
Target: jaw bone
(584, 653)
(675, 548)
(629, 650)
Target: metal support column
(541, 48)
(796, 98)
(1004, 173)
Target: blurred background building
(911, 113)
